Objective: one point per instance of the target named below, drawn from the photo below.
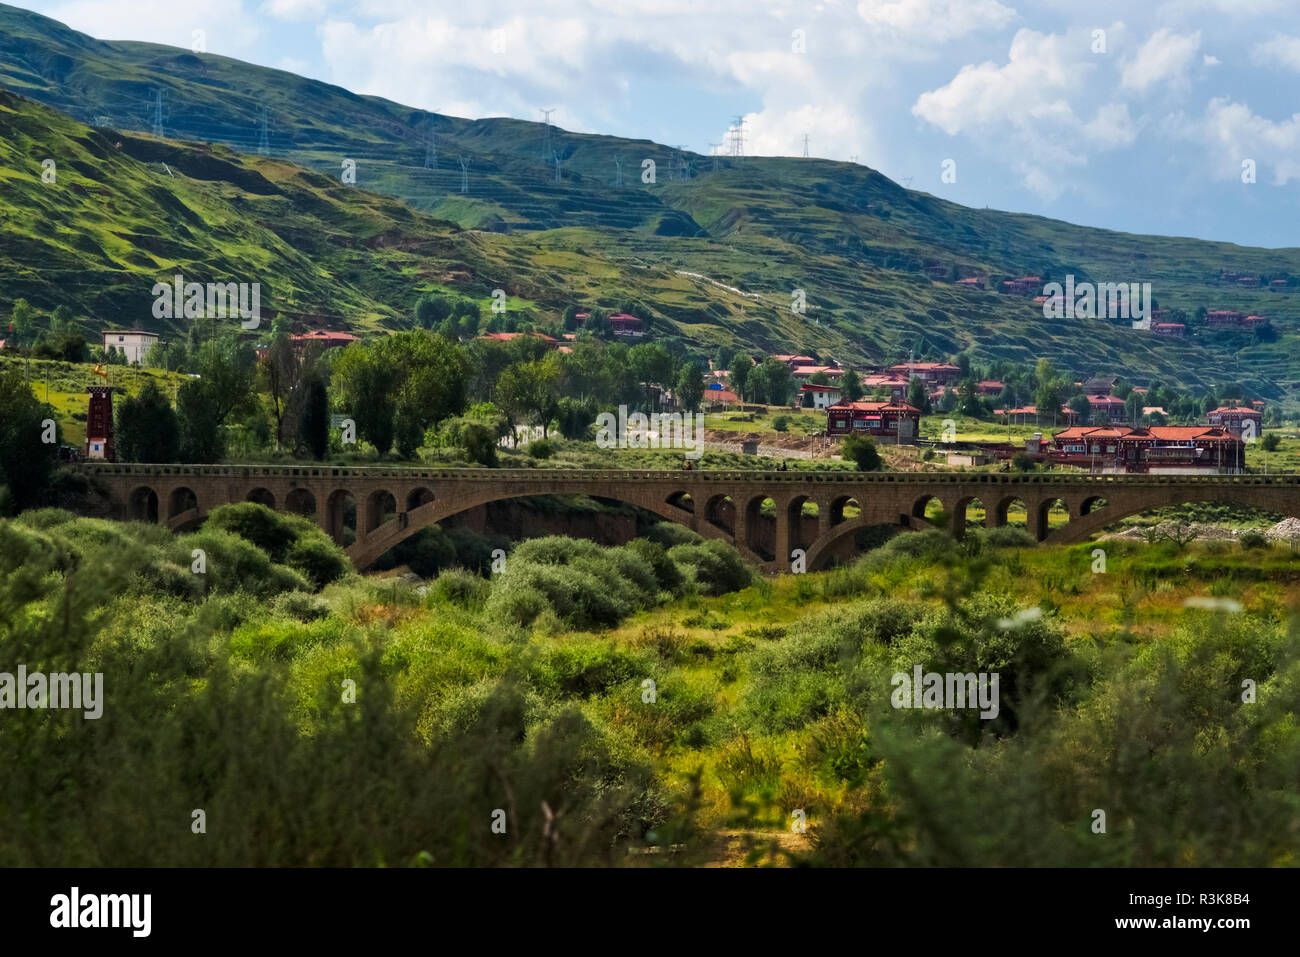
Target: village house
(807, 372)
(1234, 419)
(938, 373)
(1157, 449)
(989, 387)
(1106, 408)
(894, 420)
(508, 336)
(330, 340)
(1175, 330)
(819, 396)
(1228, 319)
(897, 385)
(133, 344)
(971, 282)
(794, 361)
(1023, 286)
(625, 326)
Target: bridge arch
(300, 501)
(720, 513)
(368, 549)
(142, 504)
(340, 502)
(262, 496)
(420, 495)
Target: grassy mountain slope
(864, 250)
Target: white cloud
(228, 29)
(1282, 50)
(1166, 56)
(935, 21)
(1240, 134)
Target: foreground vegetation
(607, 702)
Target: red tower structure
(99, 424)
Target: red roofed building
(1023, 286)
(1176, 330)
(940, 373)
(896, 420)
(509, 336)
(1234, 419)
(989, 387)
(1157, 449)
(1106, 408)
(819, 396)
(897, 385)
(325, 337)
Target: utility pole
(547, 152)
(431, 147)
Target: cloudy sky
(1144, 117)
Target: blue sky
(1143, 127)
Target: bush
(1252, 539)
(715, 567)
(540, 448)
(780, 423)
(862, 452)
(668, 576)
(1008, 537)
(459, 587)
(318, 559)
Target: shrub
(780, 423)
(1252, 539)
(302, 606)
(318, 559)
(460, 587)
(668, 576)
(715, 567)
(541, 449)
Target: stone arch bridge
(761, 513)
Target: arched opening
(381, 507)
(300, 502)
(342, 517)
(969, 513)
(843, 509)
(417, 497)
(760, 527)
(1052, 514)
(683, 501)
(262, 497)
(803, 522)
(1091, 504)
(1011, 512)
(721, 513)
(181, 500)
(143, 504)
(927, 507)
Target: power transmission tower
(431, 147)
(558, 162)
(736, 136)
(158, 112)
(547, 152)
(679, 162)
(464, 174)
(805, 146)
(713, 151)
(264, 137)
(618, 171)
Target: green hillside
(714, 248)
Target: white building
(822, 396)
(134, 344)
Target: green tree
(365, 392)
(690, 387)
(968, 393)
(918, 395)
(775, 382)
(431, 310)
(198, 423)
(314, 422)
(26, 462)
(22, 323)
(650, 364)
(861, 450)
(530, 390)
(1270, 441)
(146, 428)
(851, 385)
(741, 366)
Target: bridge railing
(551, 475)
